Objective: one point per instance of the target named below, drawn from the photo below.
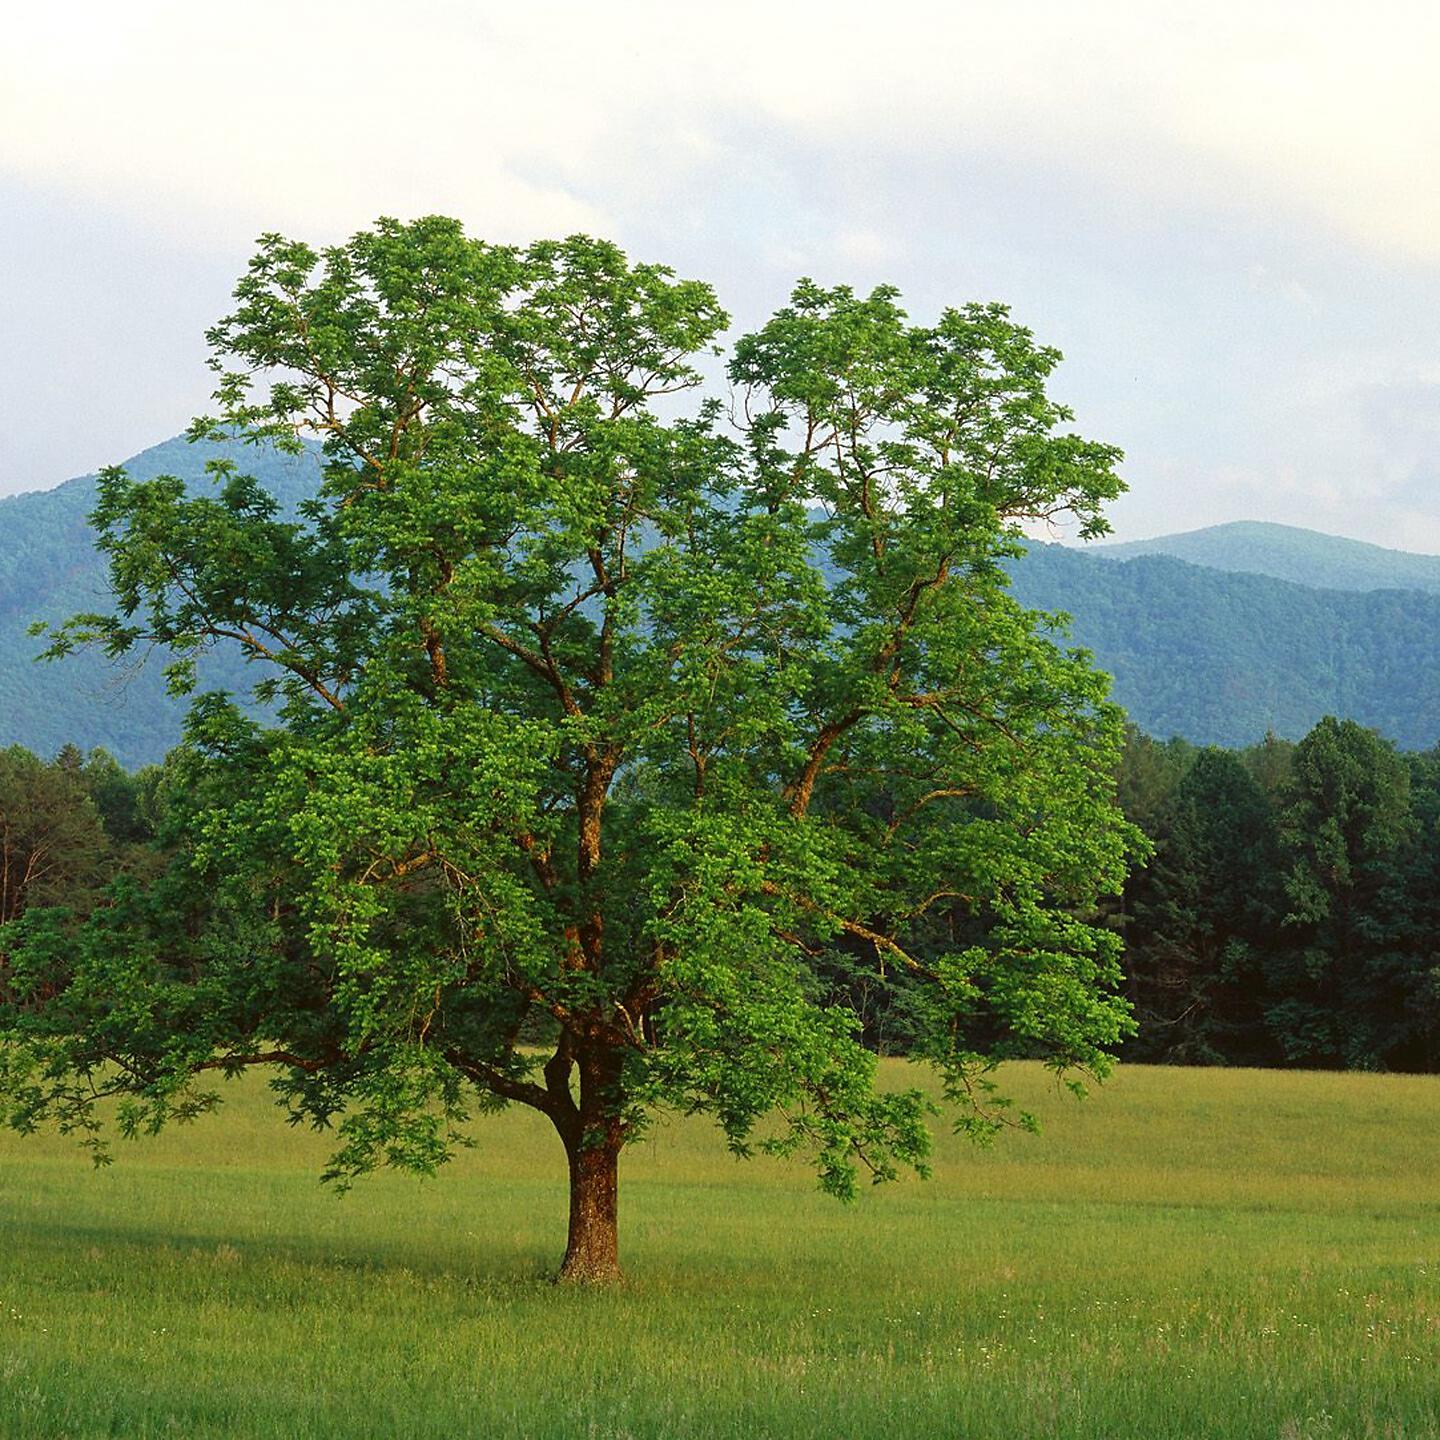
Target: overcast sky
(1226, 215)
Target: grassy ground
(1186, 1253)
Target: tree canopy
(596, 722)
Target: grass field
(1186, 1253)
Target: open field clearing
(1186, 1253)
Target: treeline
(71, 826)
(1289, 915)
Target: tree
(117, 796)
(1149, 772)
(53, 848)
(596, 726)
(54, 853)
(1346, 828)
(1417, 1045)
(1202, 913)
(1268, 764)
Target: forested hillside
(1216, 657)
(1286, 552)
(1223, 658)
(49, 571)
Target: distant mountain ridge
(1221, 657)
(1286, 552)
(50, 570)
(1218, 652)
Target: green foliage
(1149, 772)
(1289, 915)
(54, 849)
(594, 716)
(69, 829)
(1347, 825)
(1201, 913)
(1254, 654)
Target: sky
(1227, 215)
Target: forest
(1222, 658)
(1289, 914)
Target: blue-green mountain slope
(1221, 658)
(1206, 652)
(1286, 552)
(49, 571)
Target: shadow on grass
(117, 1245)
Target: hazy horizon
(1102, 542)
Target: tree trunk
(592, 1252)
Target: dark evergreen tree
(1199, 917)
(1268, 764)
(53, 847)
(1345, 980)
(1419, 1049)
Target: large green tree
(596, 722)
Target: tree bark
(592, 1252)
(594, 1134)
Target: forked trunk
(592, 1254)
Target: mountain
(1209, 651)
(49, 570)
(1286, 552)
(1222, 657)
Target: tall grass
(1186, 1253)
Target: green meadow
(1184, 1253)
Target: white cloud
(525, 119)
(865, 247)
(1263, 280)
(1225, 214)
